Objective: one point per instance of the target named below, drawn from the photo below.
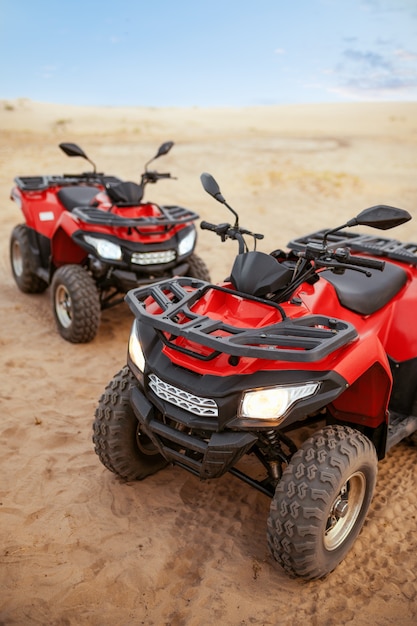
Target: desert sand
(80, 547)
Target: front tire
(197, 268)
(321, 501)
(118, 441)
(76, 304)
(21, 260)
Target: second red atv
(91, 238)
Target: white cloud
(370, 74)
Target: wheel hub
(17, 259)
(63, 306)
(344, 511)
(340, 508)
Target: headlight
(273, 402)
(15, 195)
(135, 349)
(186, 245)
(105, 249)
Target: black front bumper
(209, 457)
(126, 279)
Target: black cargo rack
(171, 215)
(40, 183)
(305, 339)
(368, 244)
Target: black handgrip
(207, 226)
(153, 176)
(361, 261)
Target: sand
(78, 546)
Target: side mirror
(71, 150)
(163, 149)
(166, 147)
(211, 186)
(381, 216)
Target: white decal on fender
(46, 216)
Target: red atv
(92, 238)
(296, 375)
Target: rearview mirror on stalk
(72, 149)
(380, 216)
(164, 149)
(210, 185)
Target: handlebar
(233, 232)
(152, 177)
(215, 228)
(206, 225)
(342, 254)
(226, 231)
(370, 263)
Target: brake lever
(339, 268)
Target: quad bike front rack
(307, 339)
(170, 216)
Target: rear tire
(321, 501)
(197, 268)
(21, 260)
(76, 304)
(118, 441)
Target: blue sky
(208, 52)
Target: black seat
(72, 197)
(364, 294)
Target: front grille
(153, 258)
(204, 407)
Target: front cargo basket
(170, 216)
(306, 339)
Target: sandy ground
(77, 545)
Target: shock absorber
(273, 438)
(276, 456)
(274, 446)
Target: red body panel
(41, 209)
(45, 214)
(363, 363)
(392, 324)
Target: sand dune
(78, 545)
